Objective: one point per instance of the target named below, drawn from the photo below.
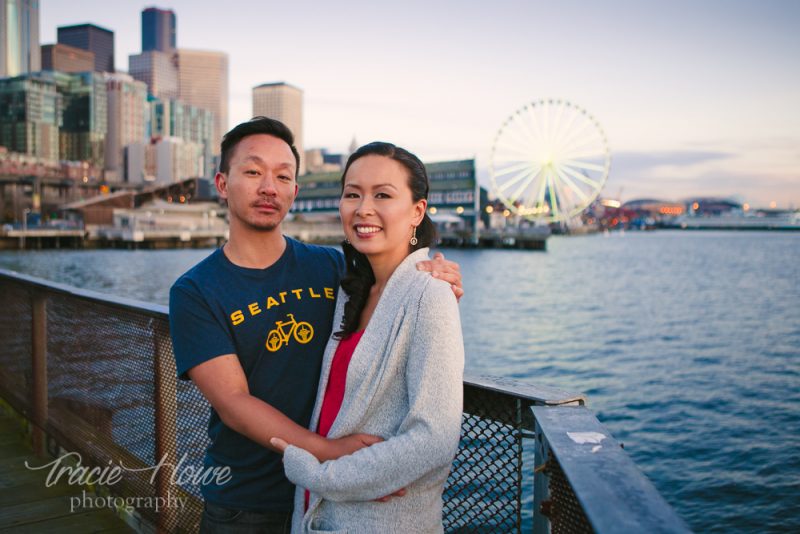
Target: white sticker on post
(586, 437)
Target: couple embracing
(335, 380)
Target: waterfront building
(158, 29)
(37, 186)
(713, 206)
(648, 209)
(733, 214)
(16, 164)
(282, 102)
(203, 82)
(158, 70)
(101, 210)
(93, 38)
(66, 58)
(174, 118)
(454, 194)
(159, 217)
(318, 193)
(19, 37)
(30, 116)
(127, 114)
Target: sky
(696, 97)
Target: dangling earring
(414, 240)
(346, 240)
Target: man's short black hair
(255, 126)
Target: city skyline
(696, 98)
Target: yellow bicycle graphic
(302, 332)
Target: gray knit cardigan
(404, 383)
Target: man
(249, 326)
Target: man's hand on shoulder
(446, 270)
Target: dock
(28, 505)
(53, 238)
(38, 238)
(534, 238)
(138, 235)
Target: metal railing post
(166, 410)
(520, 435)
(541, 523)
(39, 371)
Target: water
(687, 345)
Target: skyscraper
(158, 29)
(174, 118)
(30, 115)
(127, 113)
(82, 136)
(92, 38)
(158, 70)
(66, 58)
(283, 102)
(19, 37)
(203, 82)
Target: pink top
(337, 380)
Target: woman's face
(377, 209)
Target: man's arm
(222, 381)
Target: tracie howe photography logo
(69, 468)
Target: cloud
(779, 143)
(643, 162)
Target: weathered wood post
(39, 371)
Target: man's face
(260, 183)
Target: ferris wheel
(549, 160)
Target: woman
(394, 369)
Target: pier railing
(95, 377)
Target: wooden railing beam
(39, 371)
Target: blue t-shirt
(277, 321)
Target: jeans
(221, 520)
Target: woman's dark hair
(359, 277)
